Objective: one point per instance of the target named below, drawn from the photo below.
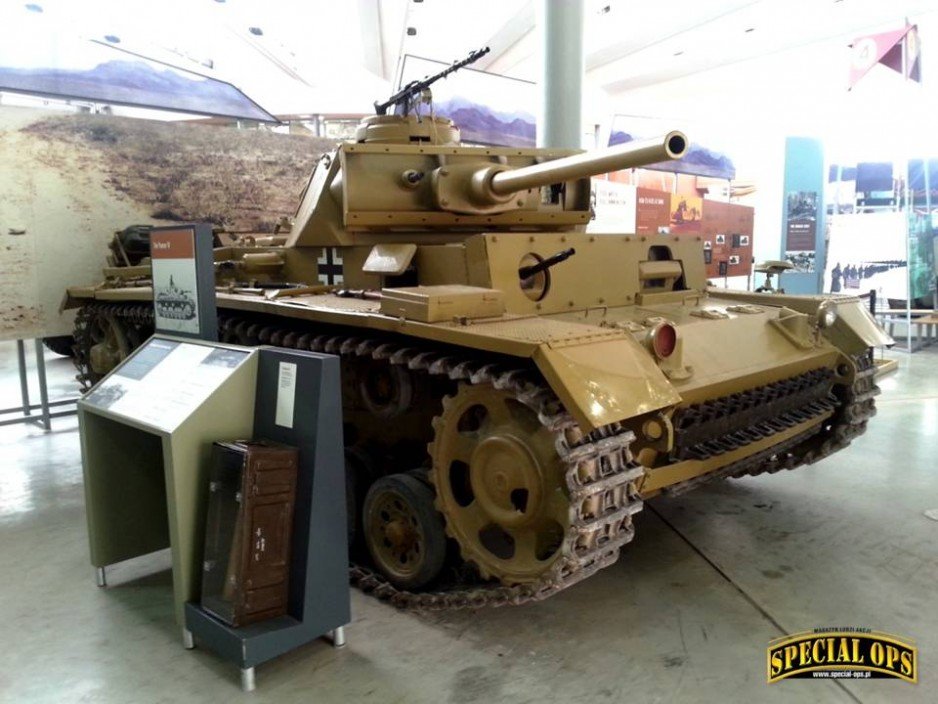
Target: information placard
(184, 281)
(164, 381)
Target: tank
(514, 387)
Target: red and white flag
(898, 49)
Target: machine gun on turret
(403, 101)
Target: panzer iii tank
(514, 386)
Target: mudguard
(856, 328)
(604, 381)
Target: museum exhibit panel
(555, 333)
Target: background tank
(513, 386)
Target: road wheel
(403, 531)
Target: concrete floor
(685, 615)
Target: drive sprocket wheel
(500, 484)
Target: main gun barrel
(622, 156)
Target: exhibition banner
(707, 154)
(868, 251)
(922, 268)
(183, 275)
(652, 212)
(801, 230)
(726, 229)
(898, 49)
(72, 68)
(613, 205)
(802, 224)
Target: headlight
(826, 316)
(662, 339)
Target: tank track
(601, 474)
(719, 425)
(138, 315)
(848, 422)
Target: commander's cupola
(407, 129)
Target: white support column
(560, 30)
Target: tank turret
(410, 175)
(407, 176)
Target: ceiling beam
(621, 50)
(507, 36)
(369, 20)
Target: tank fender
(604, 381)
(855, 328)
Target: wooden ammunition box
(246, 566)
(433, 304)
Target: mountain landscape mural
(698, 160)
(481, 124)
(136, 82)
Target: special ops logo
(827, 653)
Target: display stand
(25, 410)
(147, 430)
(146, 436)
(319, 593)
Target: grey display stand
(146, 478)
(319, 591)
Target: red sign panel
(172, 244)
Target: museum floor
(684, 616)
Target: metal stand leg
(24, 381)
(338, 637)
(99, 577)
(247, 679)
(188, 642)
(43, 389)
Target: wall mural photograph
(90, 70)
